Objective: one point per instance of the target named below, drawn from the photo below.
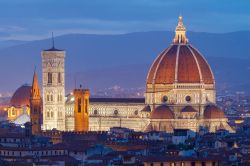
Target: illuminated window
(182, 163)
(49, 78)
(172, 164)
(13, 112)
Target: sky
(36, 19)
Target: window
(47, 114)
(172, 164)
(182, 163)
(164, 99)
(86, 105)
(188, 98)
(51, 97)
(48, 97)
(79, 101)
(151, 164)
(136, 112)
(13, 112)
(35, 111)
(213, 163)
(203, 163)
(52, 114)
(49, 78)
(162, 164)
(59, 78)
(116, 112)
(193, 163)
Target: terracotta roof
(188, 109)
(146, 109)
(213, 112)
(180, 63)
(21, 96)
(162, 112)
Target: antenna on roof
(53, 42)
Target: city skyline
(115, 82)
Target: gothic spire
(35, 92)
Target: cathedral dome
(21, 97)
(162, 112)
(213, 112)
(180, 63)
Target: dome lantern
(180, 33)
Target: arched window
(79, 101)
(86, 105)
(59, 78)
(49, 78)
(52, 114)
(48, 115)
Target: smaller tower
(81, 114)
(35, 107)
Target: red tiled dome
(188, 109)
(213, 112)
(21, 96)
(162, 112)
(180, 63)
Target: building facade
(105, 113)
(180, 94)
(53, 89)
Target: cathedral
(180, 94)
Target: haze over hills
(102, 61)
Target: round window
(164, 99)
(136, 112)
(116, 112)
(188, 98)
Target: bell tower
(81, 114)
(35, 107)
(53, 88)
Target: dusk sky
(36, 19)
